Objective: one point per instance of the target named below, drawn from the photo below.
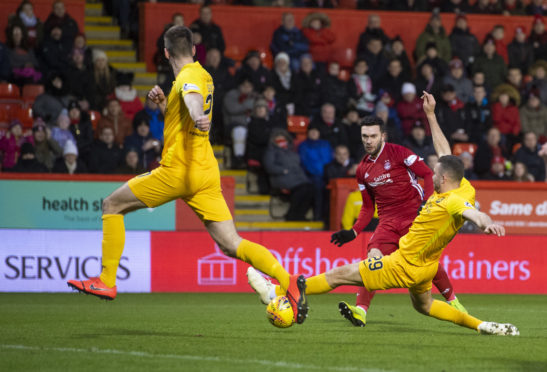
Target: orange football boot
(297, 297)
(95, 287)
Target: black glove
(342, 237)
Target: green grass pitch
(229, 332)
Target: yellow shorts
(200, 190)
(394, 271)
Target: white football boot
(499, 329)
(261, 285)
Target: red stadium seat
(9, 111)
(266, 57)
(344, 74)
(297, 124)
(9, 91)
(94, 116)
(31, 91)
(234, 52)
(345, 57)
(24, 114)
(347, 4)
(459, 148)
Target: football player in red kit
(387, 176)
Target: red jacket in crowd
(506, 119)
(410, 113)
(320, 42)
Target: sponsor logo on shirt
(467, 204)
(361, 187)
(189, 86)
(410, 160)
(387, 165)
(381, 180)
(366, 174)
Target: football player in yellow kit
(415, 263)
(189, 171)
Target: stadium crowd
(492, 97)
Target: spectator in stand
(25, 68)
(55, 53)
(533, 116)
(536, 7)
(352, 124)
(10, 144)
(376, 59)
(5, 66)
(463, 43)
(155, 118)
(115, 119)
(477, 115)
(488, 149)
(289, 39)
(334, 89)
(80, 44)
(80, 80)
(308, 88)
(434, 33)
(520, 173)
(327, 4)
(393, 80)
(276, 112)
(316, 28)
(372, 31)
(427, 80)
(162, 64)
(224, 81)
(467, 160)
(49, 104)
(497, 171)
(408, 6)
(329, 127)
(440, 67)
(81, 129)
(70, 162)
(498, 34)
(393, 129)
(431, 160)
(46, 148)
(285, 172)
(342, 166)
(450, 115)
(253, 68)
(237, 107)
(315, 154)
(528, 154)
(127, 95)
(418, 142)
(27, 162)
(491, 64)
(386, 99)
(505, 112)
(201, 51)
(456, 78)
(479, 78)
(61, 132)
(539, 80)
(210, 32)
(538, 38)
(486, 7)
(409, 109)
(283, 80)
(148, 147)
(360, 88)
(104, 77)
(105, 155)
(60, 18)
(455, 6)
(24, 16)
(513, 7)
(131, 164)
(514, 77)
(543, 153)
(398, 52)
(520, 51)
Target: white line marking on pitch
(202, 358)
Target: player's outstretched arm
(158, 97)
(442, 147)
(194, 103)
(484, 222)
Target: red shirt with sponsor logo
(391, 181)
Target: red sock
(443, 284)
(364, 297)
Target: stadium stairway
(101, 33)
(252, 211)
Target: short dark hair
(178, 41)
(372, 120)
(453, 166)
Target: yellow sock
(113, 243)
(314, 285)
(443, 311)
(262, 259)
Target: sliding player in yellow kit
(415, 263)
(189, 171)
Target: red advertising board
(190, 262)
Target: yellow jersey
(185, 145)
(436, 225)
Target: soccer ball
(279, 312)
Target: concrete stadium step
(121, 56)
(145, 78)
(93, 9)
(142, 90)
(218, 150)
(97, 20)
(241, 188)
(110, 44)
(252, 201)
(130, 66)
(102, 32)
(252, 215)
(293, 225)
(239, 175)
